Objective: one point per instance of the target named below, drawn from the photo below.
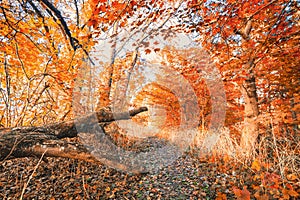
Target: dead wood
(49, 139)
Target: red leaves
(241, 194)
(147, 51)
(118, 6)
(105, 12)
(92, 22)
(221, 196)
(156, 50)
(271, 180)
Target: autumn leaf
(221, 196)
(261, 197)
(117, 5)
(241, 194)
(147, 51)
(292, 177)
(256, 165)
(156, 50)
(92, 22)
(293, 193)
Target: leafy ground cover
(187, 178)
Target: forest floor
(186, 178)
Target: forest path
(71, 179)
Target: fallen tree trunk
(48, 140)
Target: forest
(150, 99)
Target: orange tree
(255, 44)
(41, 50)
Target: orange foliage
(267, 34)
(39, 65)
(41, 57)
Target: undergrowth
(272, 167)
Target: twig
(85, 192)
(277, 151)
(30, 177)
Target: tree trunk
(105, 91)
(34, 141)
(294, 115)
(250, 128)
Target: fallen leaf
(221, 196)
(241, 194)
(261, 197)
(256, 165)
(292, 177)
(293, 193)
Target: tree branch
(34, 141)
(74, 42)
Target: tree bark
(294, 115)
(251, 112)
(34, 141)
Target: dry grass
(281, 154)
(218, 142)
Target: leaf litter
(186, 178)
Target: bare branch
(74, 42)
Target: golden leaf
(256, 165)
(292, 177)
